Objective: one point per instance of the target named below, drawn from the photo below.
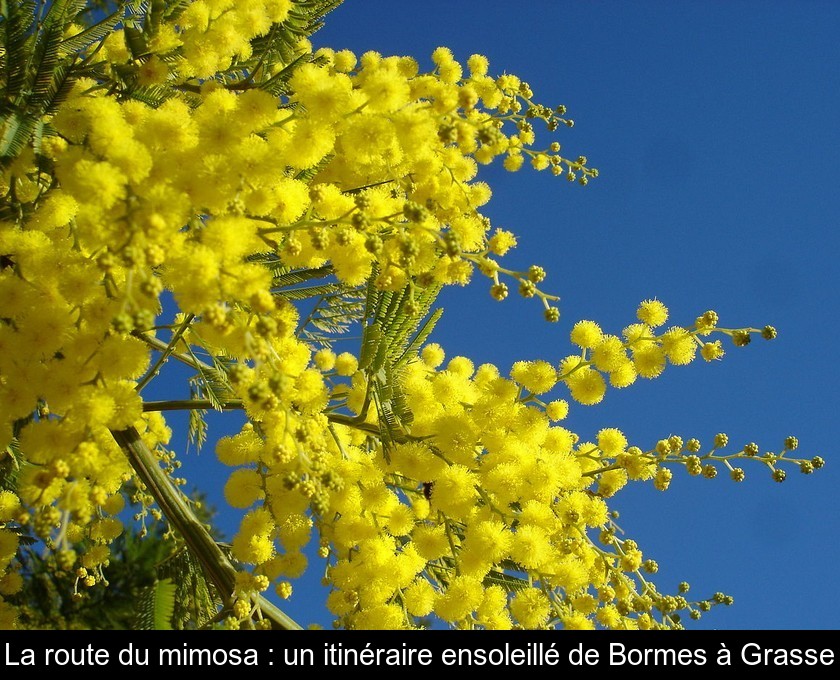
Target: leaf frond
(156, 606)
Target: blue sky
(714, 127)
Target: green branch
(215, 563)
(238, 404)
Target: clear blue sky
(714, 126)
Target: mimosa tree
(190, 182)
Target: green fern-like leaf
(511, 584)
(332, 315)
(278, 83)
(308, 292)
(151, 95)
(16, 32)
(156, 606)
(397, 323)
(399, 404)
(17, 131)
(11, 466)
(371, 339)
(197, 428)
(64, 12)
(308, 174)
(213, 384)
(196, 602)
(173, 10)
(39, 66)
(287, 276)
(420, 337)
(45, 60)
(402, 319)
(280, 46)
(94, 33)
(56, 90)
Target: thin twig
(165, 353)
(238, 404)
(187, 359)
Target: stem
(162, 346)
(353, 422)
(216, 564)
(164, 355)
(237, 405)
(451, 543)
(606, 468)
(191, 405)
